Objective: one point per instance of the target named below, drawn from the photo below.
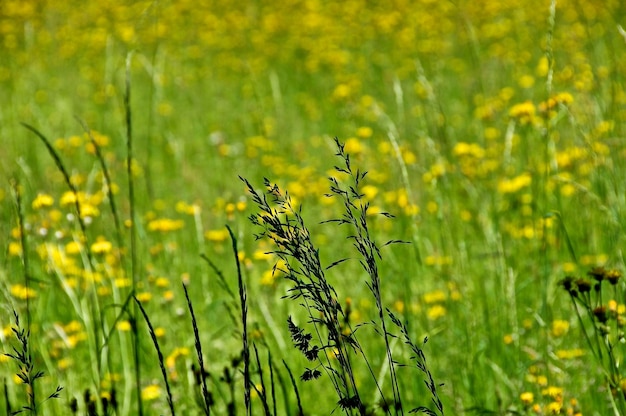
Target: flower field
(148, 267)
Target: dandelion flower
(150, 392)
(42, 201)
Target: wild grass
(493, 132)
(22, 355)
(332, 344)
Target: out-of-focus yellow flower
(468, 149)
(73, 326)
(42, 201)
(122, 282)
(570, 354)
(150, 392)
(170, 361)
(217, 236)
(436, 312)
(559, 327)
(434, 296)
(564, 98)
(262, 255)
(353, 145)
(341, 92)
(553, 392)
(526, 81)
(64, 363)
(22, 292)
(541, 380)
(554, 408)
(509, 186)
(162, 282)
(369, 191)
(15, 248)
(527, 398)
(73, 247)
(68, 198)
(268, 278)
(123, 326)
(144, 296)
(364, 132)
(185, 208)
(437, 260)
(524, 112)
(101, 246)
(165, 225)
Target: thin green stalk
(198, 345)
(170, 401)
(109, 187)
(133, 230)
(244, 322)
(25, 257)
(295, 388)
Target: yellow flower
(122, 282)
(564, 98)
(101, 246)
(22, 292)
(144, 296)
(268, 278)
(353, 145)
(468, 149)
(527, 398)
(88, 210)
(123, 326)
(165, 225)
(72, 247)
(217, 236)
(436, 312)
(553, 392)
(341, 92)
(73, 326)
(151, 392)
(559, 327)
(170, 361)
(434, 296)
(162, 282)
(509, 186)
(526, 81)
(570, 354)
(68, 198)
(524, 112)
(554, 408)
(364, 132)
(186, 208)
(15, 248)
(369, 191)
(42, 201)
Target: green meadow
(307, 207)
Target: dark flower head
(598, 273)
(613, 276)
(569, 284)
(601, 314)
(583, 285)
